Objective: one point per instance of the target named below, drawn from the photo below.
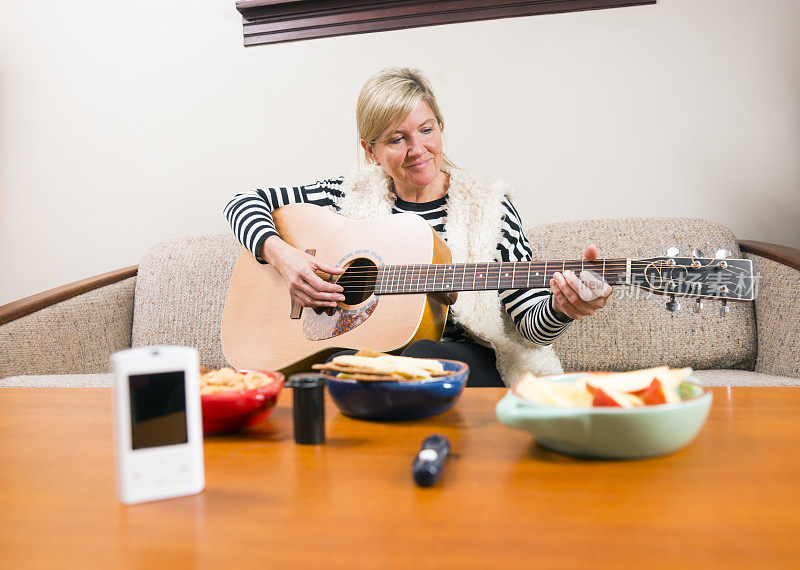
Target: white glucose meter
(157, 423)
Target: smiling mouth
(418, 164)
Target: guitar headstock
(719, 277)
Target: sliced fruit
(686, 391)
(651, 386)
(608, 397)
(654, 394)
(630, 382)
(659, 393)
(602, 399)
(681, 374)
(552, 393)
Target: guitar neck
(447, 277)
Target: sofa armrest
(783, 254)
(777, 306)
(70, 329)
(28, 305)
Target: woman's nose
(415, 146)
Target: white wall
(116, 130)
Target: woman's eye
(395, 141)
(427, 130)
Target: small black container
(308, 407)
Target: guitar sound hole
(358, 281)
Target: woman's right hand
(299, 269)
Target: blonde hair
(387, 98)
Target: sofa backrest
(182, 285)
(180, 294)
(635, 330)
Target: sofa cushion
(635, 330)
(180, 294)
(743, 378)
(104, 380)
(707, 377)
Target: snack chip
(229, 380)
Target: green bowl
(608, 432)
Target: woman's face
(412, 153)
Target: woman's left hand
(579, 296)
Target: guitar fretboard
(488, 276)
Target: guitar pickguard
(323, 325)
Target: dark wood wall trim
(28, 305)
(780, 253)
(276, 21)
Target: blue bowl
(409, 400)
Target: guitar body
(258, 332)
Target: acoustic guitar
(394, 268)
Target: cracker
(401, 362)
(368, 365)
(370, 353)
(368, 371)
(340, 368)
(361, 374)
(440, 374)
(378, 377)
(373, 364)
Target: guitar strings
(416, 269)
(389, 277)
(414, 274)
(599, 262)
(469, 271)
(392, 278)
(530, 266)
(392, 272)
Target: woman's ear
(373, 159)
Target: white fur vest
(473, 232)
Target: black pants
(481, 360)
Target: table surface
(731, 498)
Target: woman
(499, 334)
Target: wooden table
(731, 499)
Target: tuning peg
(697, 253)
(725, 309)
(672, 304)
(698, 305)
(673, 252)
(722, 254)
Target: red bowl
(230, 411)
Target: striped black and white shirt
(249, 214)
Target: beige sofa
(64, 337)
